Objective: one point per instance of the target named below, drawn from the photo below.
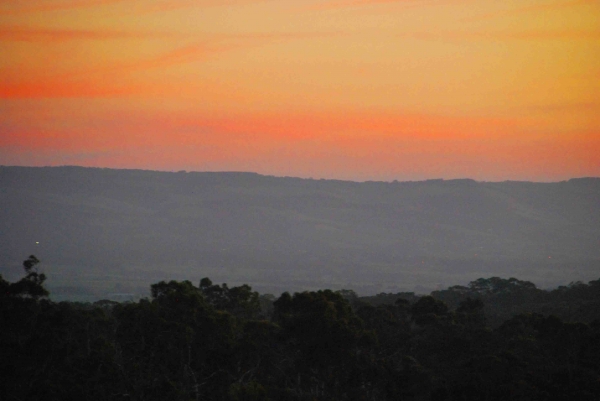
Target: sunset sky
(349, 89)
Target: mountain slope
(103, 230)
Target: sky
(346, 89)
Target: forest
(493, 339)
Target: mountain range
(106, 231)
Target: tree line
(215, 342)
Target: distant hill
(103, 231)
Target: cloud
(11, 7)
(343, 125)
(341, 4)
(108, 79)
(47, 34)
(171, 5)
(182, 55)
(33, 6)
(58, 88)
(292, 142)
(552, 35)
(34, 34)
(565, 34)
(295, 143)
(568, 107)
(533, 9)
(202, 50)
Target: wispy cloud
(200, 51)
(45, 34)
(11, 7)
(339, 124)
(110, 79)
(265, 128)
(35, 34)
(57, 88)
(295, 141)
(105, 80)
(341, 4)
(171, 5)
(582, 107)
(565, 34)
(209, 46)
(535, 8)
(183, 55)
(551, 35)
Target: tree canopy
(215, 342)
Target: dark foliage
(213, 342)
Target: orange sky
(350, 89)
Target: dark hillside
(116, 231)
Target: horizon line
(392, 181)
